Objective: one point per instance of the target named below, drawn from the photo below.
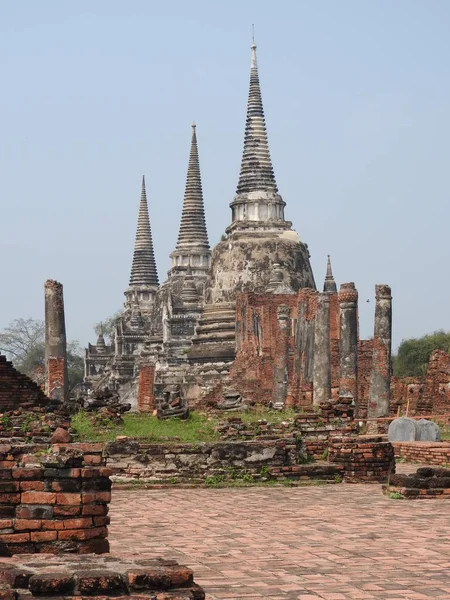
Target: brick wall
(436, 393)
(427, 453)
(314, 429)
(406, 390)
(146, 398)
(430, 395)
(54, 499)
(131, 459)
(252, 372)
(17, 389)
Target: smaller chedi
(243, 322)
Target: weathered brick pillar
(380, 376)
(322, 360)
(348, 343)
(281, 357)
(304, 345)
(146, 397)
(57, 381)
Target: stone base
(64, 577)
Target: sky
(95, 94)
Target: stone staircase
(215, 336)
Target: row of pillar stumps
(56, 382)
(380, 377)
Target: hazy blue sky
(96, 93)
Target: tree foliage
(20, 338)
(108, 325)
(413, 354)
(23, 342)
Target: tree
(413, 354)
(23, 342)
(21, 339)
(108, 325)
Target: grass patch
(197, 428)
(445, 433)
(265, 414)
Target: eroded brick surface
(146, 399)
(18, 390)
(96, 577)
(52, 499)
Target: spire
(100, 339)
(143, 270)
(193, 227)
(329, 284)
(256, 167)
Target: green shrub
(396, 496)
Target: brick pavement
(332, 542)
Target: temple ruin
(242, 323)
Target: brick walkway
(332, 542)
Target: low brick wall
(54, 499)
(131, 459)
(426, 483)
(365, 458)
(314, 428)
(97, 578)
(427, 453)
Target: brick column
(348, 343)
(322, 363)
(281, 356)
(380, 376)
(57, 381)
(304, 343)
(146, 397)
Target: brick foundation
(427, 483)
(365, 458)
(54, 499)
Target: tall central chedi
(258, 238)
(258, 235)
